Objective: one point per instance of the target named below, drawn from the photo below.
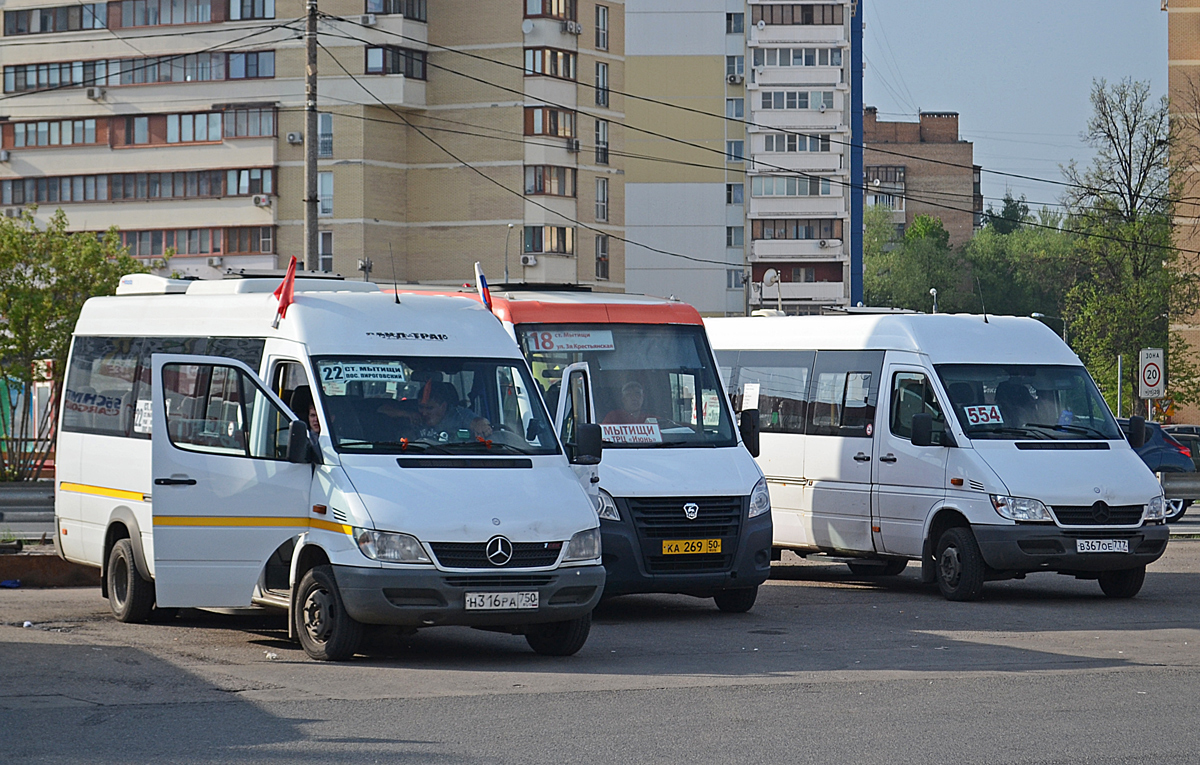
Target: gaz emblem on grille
(499, 550)
(691, 510)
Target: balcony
(796, 249)
(826, 292)
(833, 206)
(807, 34)
(823, 162)
(824, 77)
(805, 120)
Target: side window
(912, 394)
(783, 380)
(217, 409)
(151, 345)
(843, 392)
(98, 396)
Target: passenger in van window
(303, 407)
(1016, 403)
(442, 416)
(633, 399)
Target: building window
(734, 193)
(735, 151)
(797, 56)
(250, 240)
(797, 99)
(601, 84)
(804, 274)
(389, 59)
(409, 9)
(550, 62)
(57, 133)
(791, 186)
(138, 186)
(137, 131)
(151, 13)
(325, 194)
(735, 65)
(601, 256)
(735, 23)
(735, 108)
(247, 240)
(193, 67)
(555, 9)
(892, 174)
(247, 9)
(789, 14)
(324, 134)
(792, 228)
(249, 123)
(555, 239)
(251, 66)
(793, 142)
(544, 120)
(735, 279)
(601, 142)
(550, 180)
(601, 27)
(602, 199)
(735, 236)
(325, 251)
(194, 128)
(64, 18)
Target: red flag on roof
(285, 292)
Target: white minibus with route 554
(419, 482)
(979, 446)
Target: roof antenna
(395, 284)
(979, 287)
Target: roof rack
(277, 273)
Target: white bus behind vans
(431, 490)
(980, 447)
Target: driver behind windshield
(633, 401)
(442, 417)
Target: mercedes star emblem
(499, 551)
(691, 510)
(1101, 512)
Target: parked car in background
(1164, 453)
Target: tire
(1124, 583)
(326, 630)
(130, 597)
(1178, 508)
(881, 568)
(737, 601)
(559, 638)
(959, 565)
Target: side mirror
(299, 444)
(749, 428)
(922, 429)
(589, 445)
(1137, 432)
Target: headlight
(585, 545)
(606, 506)
(1021, 509)
(396, 548)
(1157, 509)
(760, 499)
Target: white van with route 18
(422, 484)
(1030, 473)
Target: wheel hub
(316, 613)
(950, 567)
(120, 580)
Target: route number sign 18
(1152, 376)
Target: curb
(46, 569)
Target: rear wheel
(559, 638)
(1123, 584)
(960, 566)
(737, 601)
(326, 630)
(877, 568)
(129, 595)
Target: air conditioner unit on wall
(95, 94)
(12, 212)
(215, 262)
(572, 27)
(261, 200)
(367, 20)
(529, 260)
(735, 79)
(295, 138)
(573, 145)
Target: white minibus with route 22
(979, 446)
(419, 483)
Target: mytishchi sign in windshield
(1152, 376)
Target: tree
(902, 277)
(1128, 277)
(45, 277)
(878, 230)
(1019, 273)
(1011, 215)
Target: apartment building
(759, 201)
(450, 131)
(923, 168)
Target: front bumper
(427, 597)
(1030, 547)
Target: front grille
(474, 554)
(1091, 515)
(485, 580)
(684, 564)
(663, 518)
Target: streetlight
(933, 291)
(1058, 318)
(507, 236)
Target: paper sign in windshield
(142, 417)
(750, 396)
(582, 340)
(335, 376)
(983, 415)
(643, 433)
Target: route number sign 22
(984, 415)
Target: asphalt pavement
(827, 667)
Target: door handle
(174, 481)
(860, 457)
(889, 457)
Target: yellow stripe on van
(102, 491)
(248, 521)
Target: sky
(1018, 72)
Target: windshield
(432, 405)
(1014, 402)
(654, 385)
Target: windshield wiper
(1069, 428)
(416, 446)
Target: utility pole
(311, 254)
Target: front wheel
(1177, 508)
(559, 638)
(130, 597)
(326, 630)
(1124, 583)
(737, 601)
(960, 565)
